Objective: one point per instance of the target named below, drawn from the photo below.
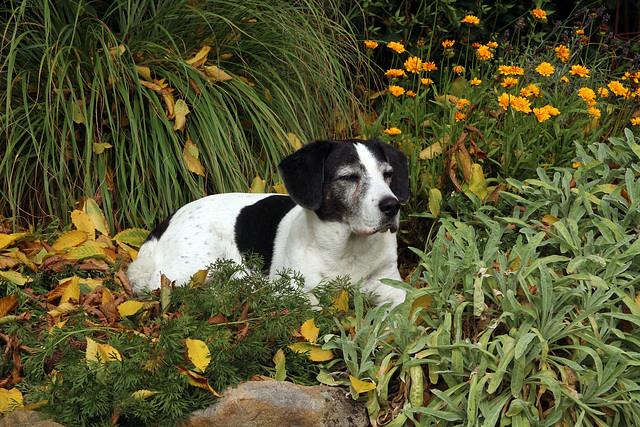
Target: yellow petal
(199, 354)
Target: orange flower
(492, 45)
(511, 70)
(462, 102)
(594, 112)
(475, 82)
(541, 114)
(394, 73)
(504, 100)
(398, 47)
(413, 64)
(458, 69)
(459, 116)
(563, 53)
(509, 82)
(618, 88)
(471, 20)
(521, 104)
(635, 121)
(429, 66)
(545, 69)
(447, 44)
(588, 95)
(539, 13)
(411, 94)
(579, 70)
(603, 92)
(530, 91)
(370, 44)
(484, 53)
(564, 79)
(426, 81)
(392, 131)
(396, 90)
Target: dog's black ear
(303, 173)
(398, 161)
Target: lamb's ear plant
(532, 316)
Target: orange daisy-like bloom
(413, 64)
(394, 73)
(603, 92)
(521, 104)
(580, 32)
(634, 75)
(552, 110)
(618, 88)
(545, 69)
(370, 44)
(429, 66)
(426, 81)
(504, 100)
(458, 69)
(541, 114)
(398, 47)
(483, 53)
(635, 121)
(509, 82)
(588, 95)
(459, 116)
(448, 44)
(539, 13)
(475, 45)
(471, 20)
(392, 131)
(531, 91)
(475, 81)
(579, 70)
(563, 53)
(594, 112)
(492, 45)
(508, 70)
(396, 90)
(462, 102)
(564, 79)
(411, 94)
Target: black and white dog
(339, 220)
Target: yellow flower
(530, 91)
(394, 73)
(462, 102)
(492, 45)
(475, 82)
(484, 53)
(579, 70)
(398, 47)
(411, 93)
(539, 13)
(426, 81)
(429, 66)
(580, 32)
(448, 44)
(521, 104)
(413, 64)
(471, 20)
(594, 112)
(545, 69)
(564, 79)
(635, 121)
(370, 44)
(459, 116)
(618, 88)
(392, 131)
(396, 90)
(541, 114)
(504, 100)
(551, 110)
(603, 92)
(511, 70)
(563, 53)
(458, 69)
(588, 95)
(509, 82)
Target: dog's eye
(388, 175)
(354, 177)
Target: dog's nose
(389, 206)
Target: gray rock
(281, 404)
(26, 419)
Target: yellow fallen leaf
(145, 72)
(132, 236)
(107, 296)
(435, 202)
(257, 185)
(215, 74)
(637, 300)
(190, 153)
(8, 303)
(8, 239)
(58, 326)
(549, 219)
(200, 57)
(91, 283)
(197, 380)
(143, 394)
(70, 239)
(477, 184)
(71, 291)
(99, 147)
(64, 308)
(101, 353)
(84, 252)
(181, 110)
(431, 151)
(15, 277)
(294, 140)
(316, 353)
(199, 354)
(340, 301)
(280, 189)
(10, 399)
(198, 278)
(309, 330)
(361, 386)
(280, 361)
(92, 209)
(129, 307)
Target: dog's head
(359, 183)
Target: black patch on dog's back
(160, 229)
(257, 224)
